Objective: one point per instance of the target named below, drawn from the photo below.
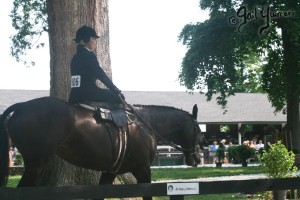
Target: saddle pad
(119, 117)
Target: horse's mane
(160, 107)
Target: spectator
(268, 146)
(214, 147)
(246, 142)
(222, 144)
(254, 140)
(11, 154)
(260, 145)
(251, 145)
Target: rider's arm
(101, 75)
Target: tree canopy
(29, 18)
(240, 49)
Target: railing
(167, 155)
(175, 190)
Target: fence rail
(147, 190)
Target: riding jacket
(85, 71)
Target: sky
(144, 48)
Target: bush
(245, 152)
(233, 154)
(278, 161)
(16, 171)
(220, 154)
(19, 160)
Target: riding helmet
(85, 33)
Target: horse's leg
(29, 177)
(143, 176)
(33, 165)
(106, 178)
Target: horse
(45, 126)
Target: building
(248, 113)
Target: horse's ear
(195, 112)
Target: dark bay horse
(45, 126)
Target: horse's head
(192, 147)
(179, 129)
(195, 141)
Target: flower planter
(244, 164)
(297, 161)
(279, 195)
(219, 164)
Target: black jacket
(85, 70)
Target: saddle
(116, 114)
(104, 111)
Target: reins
(164, 140)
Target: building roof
(247, 108)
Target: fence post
(176, 197)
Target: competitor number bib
(75, 81)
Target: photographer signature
(243, 16)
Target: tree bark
(291, 64)
(64, 18)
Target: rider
(86, 70)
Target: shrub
(16, 171)
(245, 152)
(278, 161)
(19, 159)
(233, 154)
(220, 153)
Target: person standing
(222, 144)
(214, 147)
(260, 145)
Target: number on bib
(75, 81)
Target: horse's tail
(4, 146)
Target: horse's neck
(164, 122)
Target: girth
(115, 113)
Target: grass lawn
(187, 173)
(13, 181)
(201, 172)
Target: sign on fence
(182, 188)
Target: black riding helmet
(85, 33)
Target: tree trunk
(64, 18)
(291, 63)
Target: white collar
(87, 48)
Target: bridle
(189, 151)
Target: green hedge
(14, 171)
